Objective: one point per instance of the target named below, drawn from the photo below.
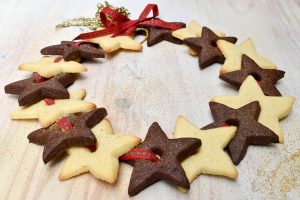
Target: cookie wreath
(194, 151)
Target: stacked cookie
(78, 128)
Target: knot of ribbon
(121, 25)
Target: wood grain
(158, 84)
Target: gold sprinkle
(283, 179)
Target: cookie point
(20, 67)
(44, 125)
(281, 140)
(222, 71)
(12, 115)
(219, 42)
(249, 39)
(107, 49)
(61, 177)
(182, 190)
(92, 106)
(234, 174)
(180, 117)
(111, 180)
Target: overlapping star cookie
(74, 50)
(249, 130)
(267, 78)
(110, 44)
(168, 167)
(210, 158)
(49, 66)
(157, 35)
(233, 55)
(30, 91)
(48, 114)
(273, 108)
(103, 163)
(193, 29)
(205, 46)
(77, 132)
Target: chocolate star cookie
(249, 130)
(74, 131)
(266, 78)
(74, 50)
(157, 35)
(36, 88)
(206, 46)
(168, 167)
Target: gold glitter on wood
(283, 179)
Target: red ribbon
(49, 101)
(64, 124)
(39, 78)
(58, 59)
(121, 25)
(76, 44)
(139, 154)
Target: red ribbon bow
(121, 25)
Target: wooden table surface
(158, 84)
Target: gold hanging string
(92, 23)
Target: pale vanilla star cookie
(210, 157)
(193, 29)
(48, 114)
(103, 163)
(110, 44)
(233, 55)
(49, 66)
(273, 108)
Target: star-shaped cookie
(210, 157)
(266, 78)
(110, 44)
(56, 139)
(157, 35)
(168, 167)
(249, 130)
(48, 114)
(206, 47)
(103, 163)
(233, 55)
(50, 66)
(272, 108)
(30, 91)
(193, 29)
(74, 50)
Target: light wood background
(158, 84)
